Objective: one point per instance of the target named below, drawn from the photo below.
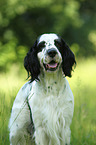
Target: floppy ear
(31, 63)
(68, 59)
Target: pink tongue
(52, 65)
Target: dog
(43, 109)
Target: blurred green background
(21, 22)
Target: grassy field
(83, 85)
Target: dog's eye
(57, 43)
(41, 45)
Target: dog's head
(49, 53)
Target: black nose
(52, 52)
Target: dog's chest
(50, 108)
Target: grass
(83, 85)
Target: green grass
(83, 85)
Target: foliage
(83, 128)
(22, 21)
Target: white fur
(52, 105)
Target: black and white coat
(43, 109)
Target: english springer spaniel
(43, 109)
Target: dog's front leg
(66, 133)
(18, 133)
(18, 125)
(40, 137)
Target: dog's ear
(68, 59)
(31, 63)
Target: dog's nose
(52, 52)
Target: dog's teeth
(52, 65)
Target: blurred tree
(21, 21)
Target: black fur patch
(31, 63)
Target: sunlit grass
(83, 85)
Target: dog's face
(49, 53)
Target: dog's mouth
(52, 66)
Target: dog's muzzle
(53, 64)
(52, 52)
